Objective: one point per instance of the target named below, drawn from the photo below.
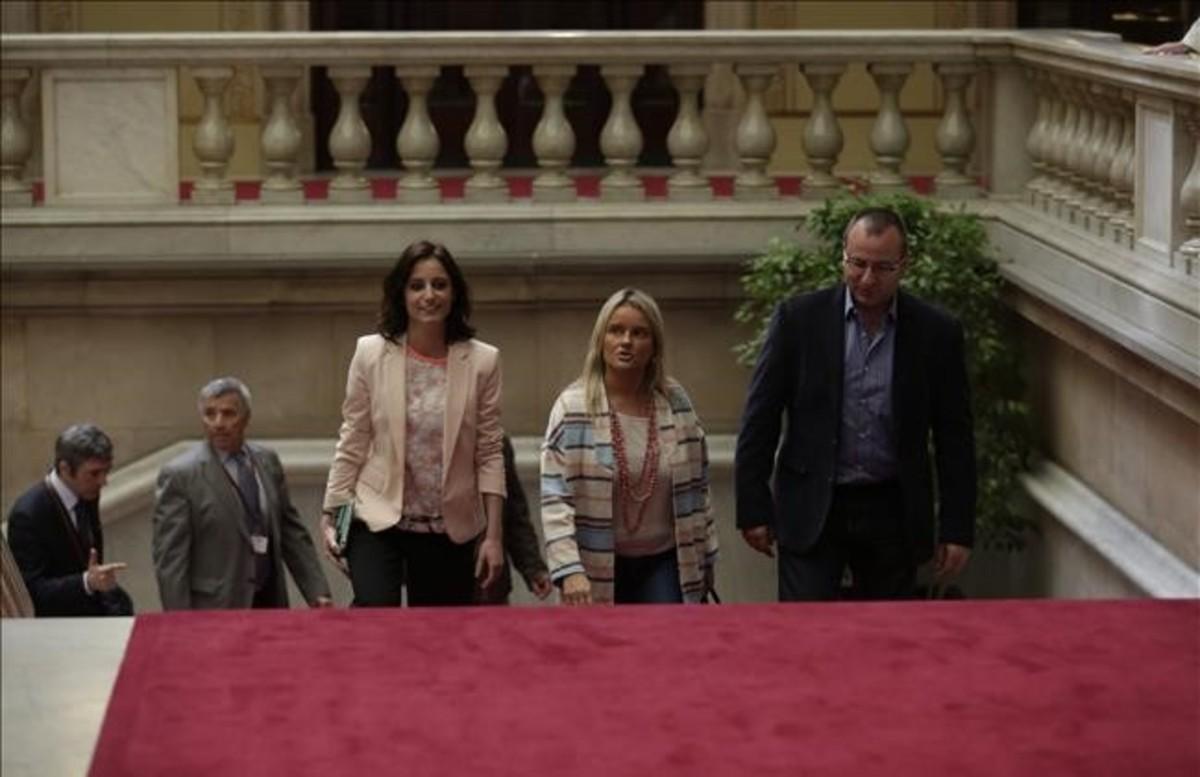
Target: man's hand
(102, 577)
(576, 590)
(761, 538)
(489, 561)
(949, 560)
(541, 585)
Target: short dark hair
(80, 442)
(393, 315)
(877, 220)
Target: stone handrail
(1081, 125)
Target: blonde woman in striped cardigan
(625, 497)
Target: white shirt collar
(69, 498)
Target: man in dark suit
(55, 535)
(866, 375)
(223, 521)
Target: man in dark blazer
(55, 534)
(223, 520)
(867, 376)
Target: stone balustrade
(1086, 129)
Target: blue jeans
(648, 579)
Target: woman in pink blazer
(420, 451)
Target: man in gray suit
(223, 521)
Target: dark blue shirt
(867, 444)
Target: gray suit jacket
(202, 553)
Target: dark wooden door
(519, 101)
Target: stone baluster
(1064, 186)
(1122, 172)
(687, 141)
(213, 139)
(16, 141)
(553, 138)
(621, 138)
(1035, 144)
(417, 141)
(955, 135)
(486, 140)
(1112, 166)
(349, 140)
(889, 135)
(823, 139)
(1052, 145)
(755, 137)
(1189, 199)
(1089, 158)
(281, 137)
(1077, 151)
(1106, 149)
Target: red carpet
(930, 688)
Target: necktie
(248, 485)
(83, 525)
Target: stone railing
(1085, 128)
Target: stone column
(553, 138)
(16, 142)
(417, 142)
(823, 140)
(349, 140)
(688, 141)
(486, 140)
(281, 137)
(755, 138)
(621, 138)
(213, 141)
(955, 135)
(889, 135)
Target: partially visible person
(14, 596)
(420, 451)
(625, 494)
(872, 383)
(521, 545)
(55, 534)
(1190, 44)
(224, 523)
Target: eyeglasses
(860, 266)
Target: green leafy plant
(950, 267)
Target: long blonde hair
(593, 365)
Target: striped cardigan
(577, 491)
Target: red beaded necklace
(636, 495)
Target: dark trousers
(647, 579)
(865, 531)
(266, 596)
(437, 570)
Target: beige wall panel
(1128, 447)
(132, 370)
(283, 358)
(141, 16)
(27, 457)
(862, 14)
(14, 388)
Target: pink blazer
(368, 466)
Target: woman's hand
(541, 585)
(489, 562)
(329, 543)
(576, 590)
